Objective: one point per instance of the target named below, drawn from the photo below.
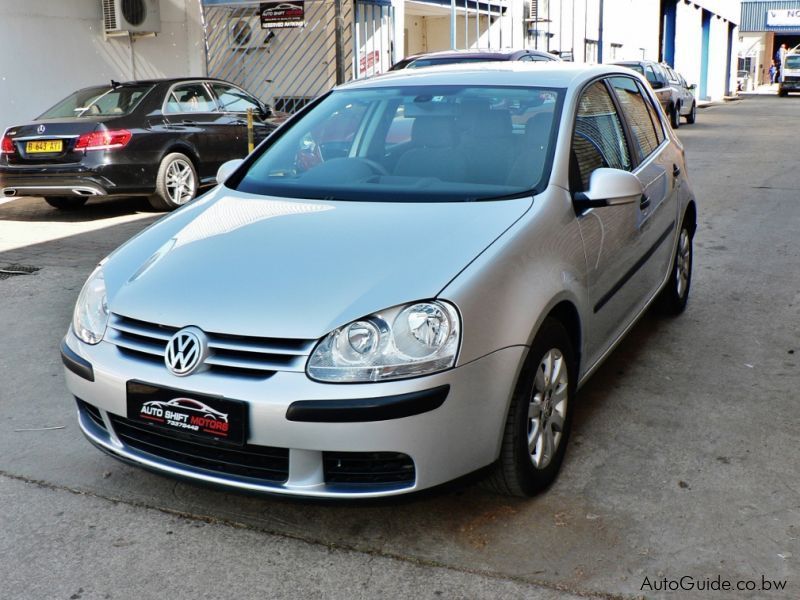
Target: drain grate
(7, 271)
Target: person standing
(780, 56)
(773, 72)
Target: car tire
(66, 202)
(675, 116)
(176, 182)
(676, 293)
(782, 92)
(525, 466)
(691, 118)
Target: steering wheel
(374, 165)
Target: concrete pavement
(684, 457)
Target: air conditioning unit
(245, 33)
(121, 17)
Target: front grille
(237, 355)
(263, 463)
(93, 412)
(792, 78)
(368, 467)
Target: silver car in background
(406, 283)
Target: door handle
(644, 202)
(189, 122)
(676, 170)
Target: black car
(448, 57)
(160, 138)
(675, 95)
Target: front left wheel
(540, 416)
(176, 182)
(692, 116)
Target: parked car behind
(449, 57)
(160, 138)
(389, 314)
(676, 96)
(790, 75)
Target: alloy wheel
(548, 408)
(180, 181)
(683, 263)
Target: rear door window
(190, 98)
(634, 108)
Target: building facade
(49, 49)
(765, 26)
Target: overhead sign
(275, 15)
(783, 17)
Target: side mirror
(226, 169)
(693, 87)
(657, 85)
(609, 187)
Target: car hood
(251, 265)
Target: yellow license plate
(44, 146)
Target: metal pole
(339, 27)
(600, 36)
(453, 24)
(250, 137)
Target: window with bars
(635, 110)
(598, 140)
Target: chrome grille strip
(228, 353)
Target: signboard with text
(788, 17)
(275, 15)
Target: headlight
(404, 341)
(91, 311)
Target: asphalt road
(684, 460)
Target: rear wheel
(675, 116)
(176, 182)
(692, 116)
(65, 202)
(676, 293)
(540, 416)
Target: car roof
(165, 80)
(507, 73)
(496, 53)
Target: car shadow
(33, 209)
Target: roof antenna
(115, 84)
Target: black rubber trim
(76, 364)
(361, 410)
(632, 271)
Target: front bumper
(459, 436)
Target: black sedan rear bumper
(115, 179)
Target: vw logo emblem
(186, 351)
(40, 129)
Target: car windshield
(452, 60)
(413, 144)
(793, 61)
(99, 101)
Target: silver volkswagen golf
(407, 282)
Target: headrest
(493, 124)
(433, 132)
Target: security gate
(287, 67)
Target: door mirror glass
(610, 187)
(657, 85)
(227, 169)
